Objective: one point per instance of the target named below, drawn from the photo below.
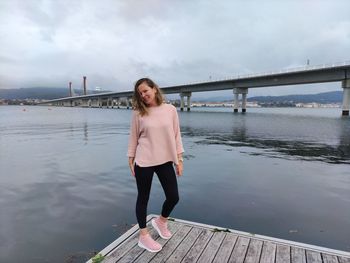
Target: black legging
(167, 178)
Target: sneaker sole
(148, 249)
(156, 228)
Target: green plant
(221, 230)
(98, 258)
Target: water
(66, 190)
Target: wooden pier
(194, 242)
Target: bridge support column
(112, 103)
(244, 102)
(118, 103)
(99, 103)
(346, 97)
(182, 103)
(128, 100)
(236, 92)
(236, 103)
(189, 101)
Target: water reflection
(86, 132)
(302, 139)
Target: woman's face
(147, 94)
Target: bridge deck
(194, 242)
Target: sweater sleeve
(176, 125)
(134, 135)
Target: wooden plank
(185, 246)
(268, 252)
(344, 260)
(147, 256)
(298, 255)
(313, 257)
(118, 242)
(282, 254)
(121, 250)
(212, 247)
(329, 258)
(136, 251)
(198, 246)
(239, 251)
(171, 245)
(254, 251)
(226, 248)
(340, 253)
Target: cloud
(113, 43)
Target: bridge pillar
(244, 102)
(346, 97)
(189, 101)
(236, 103)
(182, 103)
(236, 92)
(112, 103)
(128, 103)
(118, 103)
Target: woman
(154, 146)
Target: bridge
(337, 72)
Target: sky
(48, 43)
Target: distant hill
(39, 93)
(325, 97)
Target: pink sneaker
(162, 228)
(147, 242)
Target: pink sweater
(155, 138)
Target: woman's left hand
(179, 168)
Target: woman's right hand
(131, 165)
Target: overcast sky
(49, 43)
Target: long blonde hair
(137, 101)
